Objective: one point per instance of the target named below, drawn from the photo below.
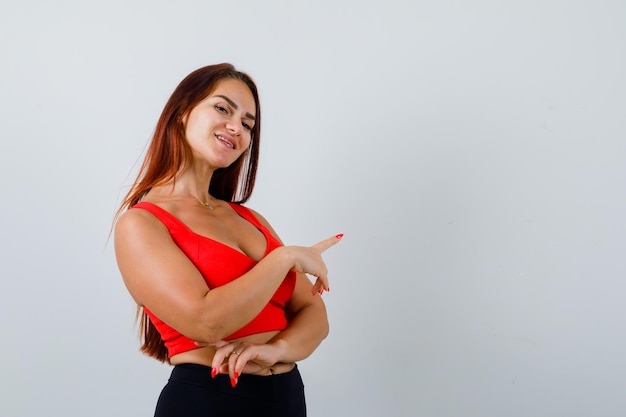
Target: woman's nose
(233, 127)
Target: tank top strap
(247, 214)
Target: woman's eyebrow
(235, 106)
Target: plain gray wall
(473, 153)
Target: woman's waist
(204, 355)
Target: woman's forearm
(232, 306)
(306, 330)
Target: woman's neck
(188, 184)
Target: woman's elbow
(205, 328)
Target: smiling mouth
(225, 141)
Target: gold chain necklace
(207, 205)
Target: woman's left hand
(236, 358)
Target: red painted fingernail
(213, 372)
(233, 382)
(236, 375)
(339, 236)
(328, 289)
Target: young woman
(220, 297)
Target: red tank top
(220, 264)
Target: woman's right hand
(308, 260)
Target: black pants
(191, 392)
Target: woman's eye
(221, 109)
(246, 126)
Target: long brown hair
(169, 154)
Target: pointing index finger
(327, 243)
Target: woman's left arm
(308, 324)
(306, 314)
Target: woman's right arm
(159, 275)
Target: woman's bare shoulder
(138, 222)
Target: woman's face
(219, 128)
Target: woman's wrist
(284, 256)
(280, 347)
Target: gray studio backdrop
(473, 153)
